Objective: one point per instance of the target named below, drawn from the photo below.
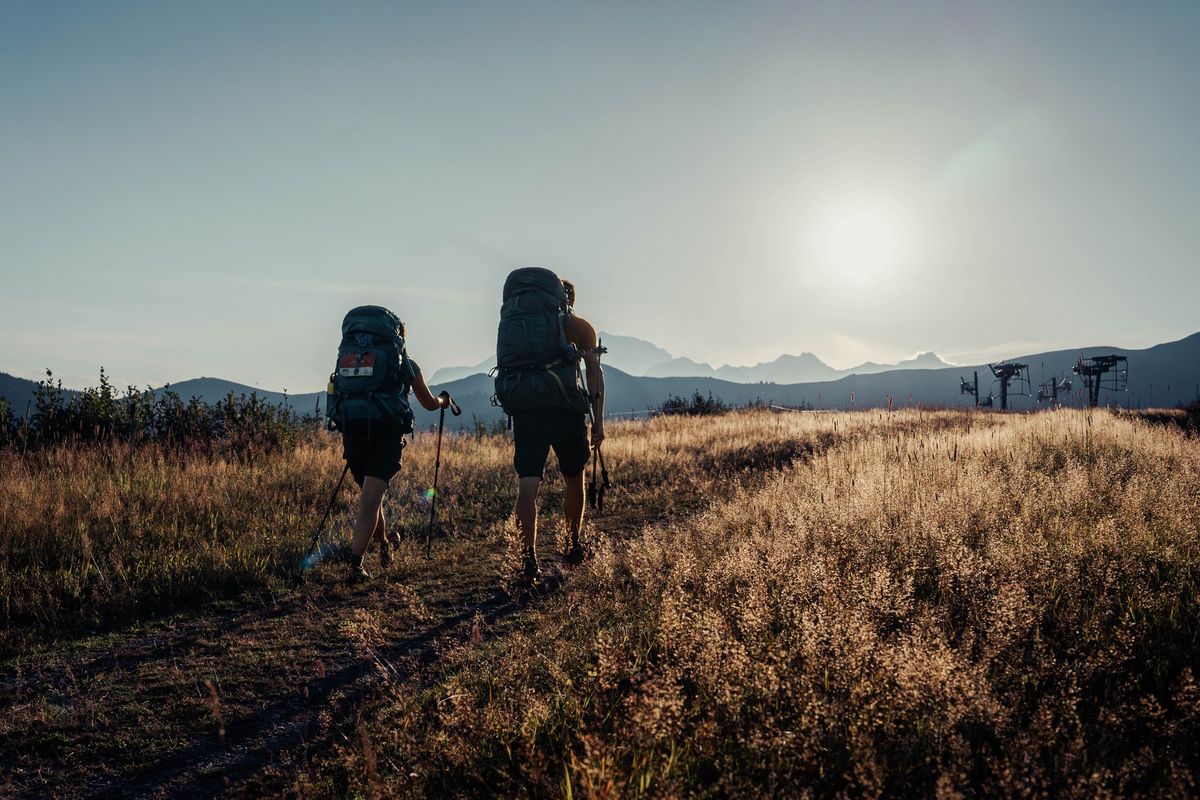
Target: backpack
(536, 368)
(368, 383)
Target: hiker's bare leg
(573, 504)
(380, 527)
(370, 504)
(527, 493)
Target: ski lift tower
(1102, 372)
(1008, 374)
(1048, 391)
(967, 387)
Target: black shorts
(373, 452)
(535, 432)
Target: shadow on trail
(190, 631)
(148, 648)
(314, 708)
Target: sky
(193, 189)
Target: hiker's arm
(595, 388)
(427, 399)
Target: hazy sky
(204, 188)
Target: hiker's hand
(597, 435)
(444, 398)
(450, 404)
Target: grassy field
(868, 604)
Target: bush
(697, 406)
(482, 428)
(1193, 415)
(239, 425)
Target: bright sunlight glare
(861, 242)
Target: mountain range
(1164, 375)
(803, 368)
(641, 358)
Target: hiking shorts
(535, 432)
(373, 452)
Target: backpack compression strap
(599, 350)
(562, 386)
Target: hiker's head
(569, 291)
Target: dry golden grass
(85, 546)
(929, 605)
(866, 604)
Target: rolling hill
(1164, 375)
(214, 390)
(18, 393)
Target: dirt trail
(188, 711)
(193, 708)
(311, 711)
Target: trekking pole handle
(454, 409)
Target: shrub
(697, 406)
(241, 426)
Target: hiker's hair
(569, 291)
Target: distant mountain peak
(640, 357)
(631, 354)
(924, 359)
(805, 356)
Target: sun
(861, 242)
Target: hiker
(539, 347)
(368, 403)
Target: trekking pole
(437, 467)
(599, 483)
(591, 489)
(604, 484)
(324, 519)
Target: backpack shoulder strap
(408, 370)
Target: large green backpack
(536, 368)
(368, 383)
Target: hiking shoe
(530, 571)
(357, 574)
(576, 554)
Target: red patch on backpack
(353, 365)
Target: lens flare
(318, 555)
